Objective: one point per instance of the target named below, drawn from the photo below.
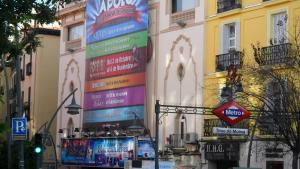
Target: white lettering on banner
(108, 4)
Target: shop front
(222, 155)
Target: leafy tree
(17, 18)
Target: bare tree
(273, 87)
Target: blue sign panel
(110, 18)
(19, 128)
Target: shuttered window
(230, 37)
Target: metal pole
(157, 111)
(54, 148)
(8, 116)
(20, 108)
(48, 125)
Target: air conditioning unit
(191, 137)
(176, 141)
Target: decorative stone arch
(65, 84)
(175, 44)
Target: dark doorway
(226, 164)
(274, 165)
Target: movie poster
(116, 56)
(100, 152)
(145, 149)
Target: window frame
(225, 36)
(174, 7)
(74, 26)
(270, 24)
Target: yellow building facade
(231, 27)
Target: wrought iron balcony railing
(275, 54)
(227, 5)
(223, 61)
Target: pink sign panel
(115, 98)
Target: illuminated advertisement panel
(145, 149)
(100, 152)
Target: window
(230, 37)
(278, 28)
(182, 5)
(75, 32)
(29, 66)
(274, 103)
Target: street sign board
(230, 131)
(19, 128)
(231, 112)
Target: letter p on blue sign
(19, 128)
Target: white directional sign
(230, 131)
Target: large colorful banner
(117, 64)
(116, 56)
(100, 152)
(110, 18)
(115, 98)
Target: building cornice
(77, 7)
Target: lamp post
(73, 109)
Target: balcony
(227, 5)
(274, 55)
(223, 61)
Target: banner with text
(116, 56)
(110, 18)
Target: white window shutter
(221, 39)
(238, 35)
(224, 39)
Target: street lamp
(73, 109)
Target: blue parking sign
(19, 128)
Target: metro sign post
(19, 128)
(231, 112)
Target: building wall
(180, 45)
(172, 45)
(254, 18)
(71, 69)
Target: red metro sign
(231, 112)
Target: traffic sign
(19, 128)
(231, 112)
